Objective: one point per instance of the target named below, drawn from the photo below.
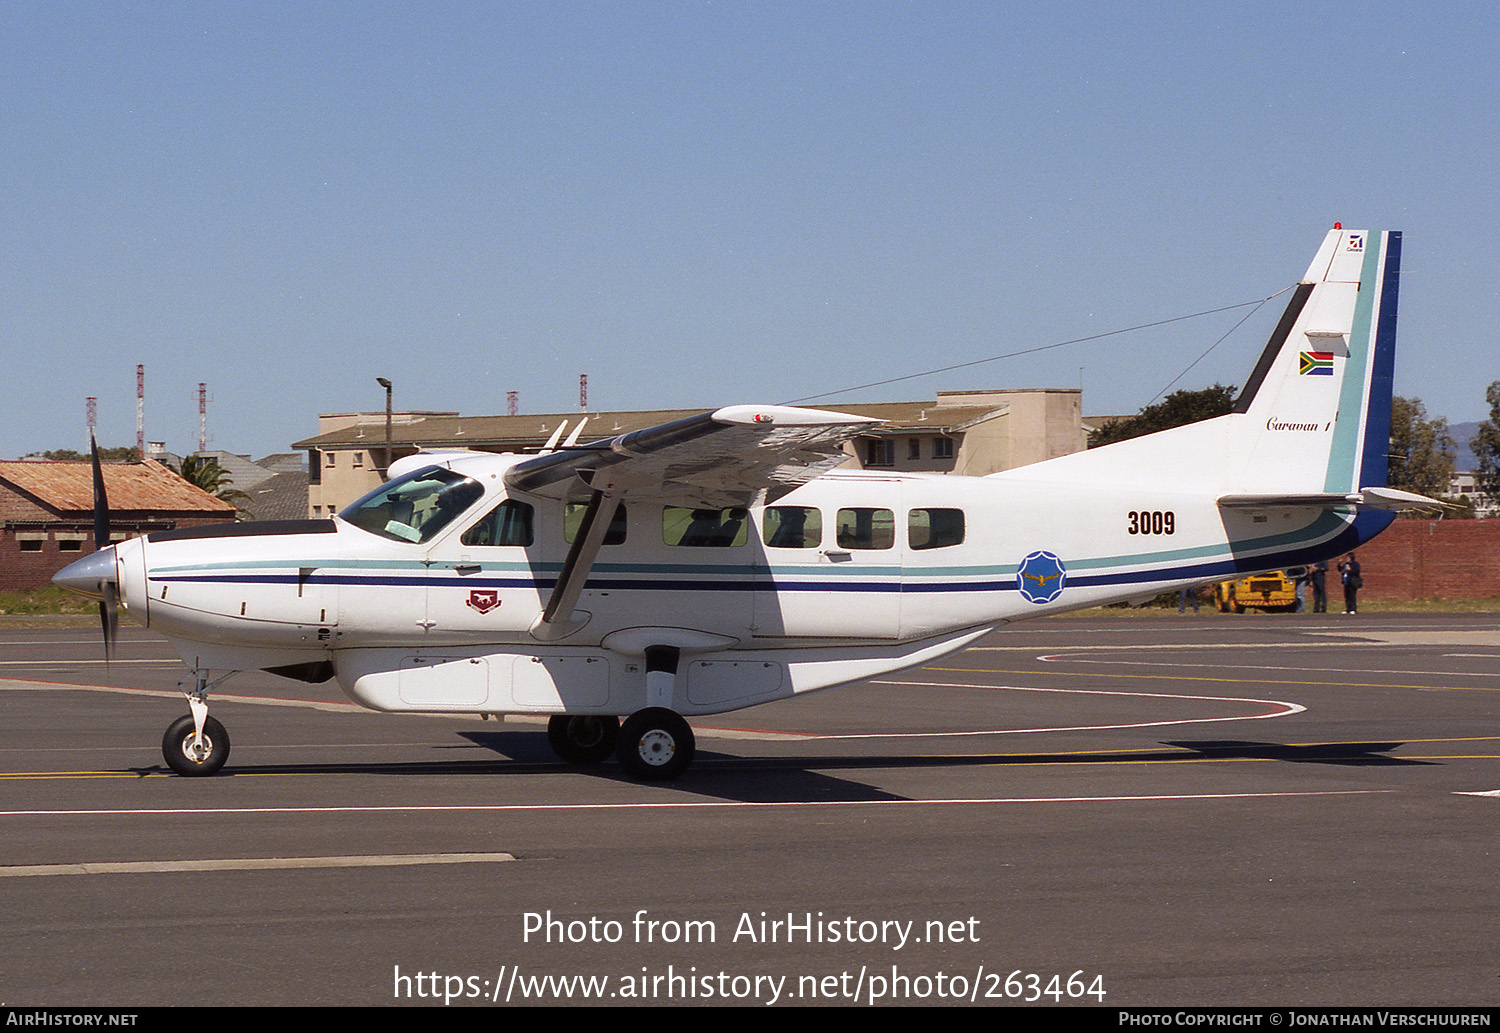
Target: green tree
(206, 473)
(1175, 410)
(1422, 451)
(123, 454)
(1486, 446)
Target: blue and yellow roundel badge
(1041, 577)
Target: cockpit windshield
(416, 507)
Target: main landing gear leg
(655, 743)
(197, 744)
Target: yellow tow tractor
(1276, 590)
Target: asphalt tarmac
(1214, 810)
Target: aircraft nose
(89, 575)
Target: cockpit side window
(509, 523)
(416, 507)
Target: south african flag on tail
(1315, 364)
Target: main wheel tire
(655, 745)
(177, 747)
(583, 739)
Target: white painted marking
(1488, 792)
(1053, 658)
(1417, 638)
(247, 864)
(10, 685)
(1094, 647)
(660, 806)
(117, 662)
(1284, 709)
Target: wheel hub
(657, 747)
(586, 731)
(195, 752)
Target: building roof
(281, 496)
(283, 462)
(148, 486)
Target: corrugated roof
(69, 487)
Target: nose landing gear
(196, 744)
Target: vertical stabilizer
(1317, 409)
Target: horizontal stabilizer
(1366, 498)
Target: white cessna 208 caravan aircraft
(719, 561)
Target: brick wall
(1431, 559)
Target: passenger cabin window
(934, 528)
(416, 507)
(509, 523)
(792, 527)
(573, 519)
(866, 529)
(705, 528)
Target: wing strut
(556, 620)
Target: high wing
(725, 458)
(722, 458)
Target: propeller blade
(109, 604)
(109, 618)
(101, 500)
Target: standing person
(1185, 596)
(1299, 576)
(1318, 575)
(1353, 581)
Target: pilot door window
(416, 507)
(510, 523)
(866, 529)
(573, 519)
(792, 527)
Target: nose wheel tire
(655, 745)
(185, 757)
(583, 739)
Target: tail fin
(1314, 417)
(1318, 405)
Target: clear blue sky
(707, 203)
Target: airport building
(47, 512)
(964, 432)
